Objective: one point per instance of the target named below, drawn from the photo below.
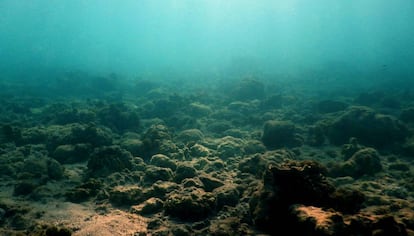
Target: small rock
(210, 183)
(162, 160)
(227, 195)
(190, 136)
(72, 153)
(184, 171)
(191, 204)
(126, 195)
(198, 150)
(154, 173)
(149, 206)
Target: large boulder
(248, 89)
(164, 161)
(119, 117)
(126, 195)
(277, 134)
(109, 159)
(155, 173)
(297, 182)
(158, 140)
(371, 128)
(366, 161)
(190, 204)
(69, 153)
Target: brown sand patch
(322, 218)
(86, 222)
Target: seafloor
(86, 155)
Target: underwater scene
(206, 117)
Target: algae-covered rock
(257, 164)
(158, 140)
(190, 136)
(347, 200)
(44, 229)
(162, 160)
(126, 195)
(408, 147)
(54, 169)
(241, 107)
(227, 195)
(230, 226)
(34, 167)
(41, 167)
(199, 110)
(273, 101)
(109, 159)
(316, 135)
(73, 115)
(198, 150)
(254, 164)
(191, 204)
(33, 135)
(164, 108)
(95, 135)
(133, 145)
(72, 153)
(230, 147)
(254, 146)
(209, 182)
(399, 167)
(154, 173)
(248, 89)
(149, 206)
(184, 171)
(89, 134)
(387, 225)
(218, 127)
(119, 117)
(237, 133)
(363, 162)
(160, 188)
(284, 185)
(12, 159)
(84, 191)
(215, 165)
(369, 127)
(350, 148)
(277, 134)
(294, 182)
(10, 133)
(25, 187)
(192, 182)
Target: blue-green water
(212, 37)
(206, 117)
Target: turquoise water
(200, 116)
(210, 37)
